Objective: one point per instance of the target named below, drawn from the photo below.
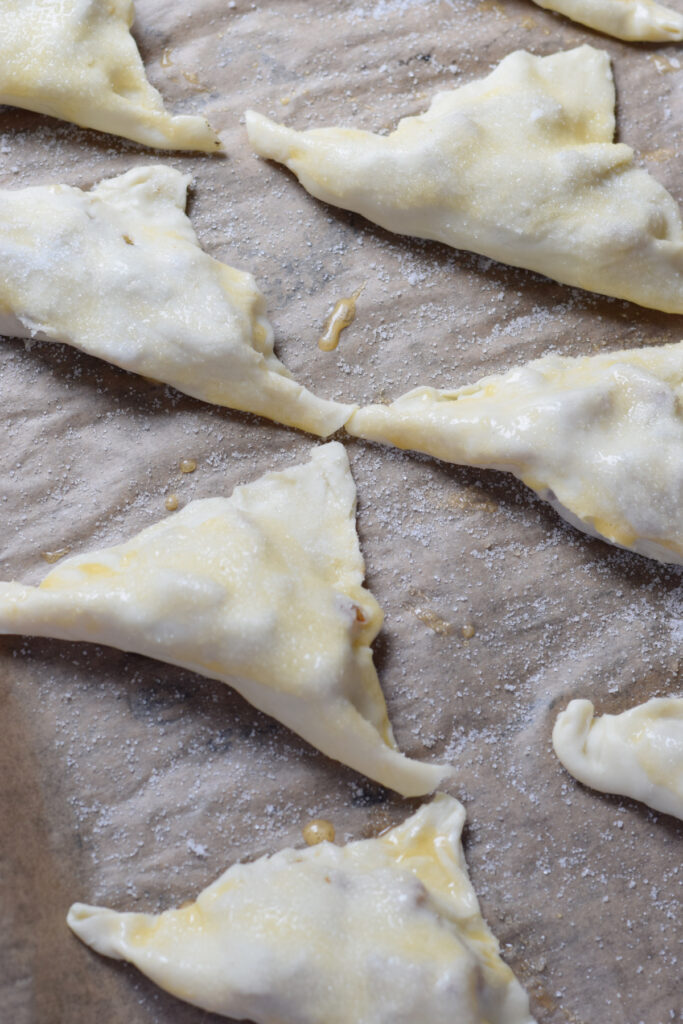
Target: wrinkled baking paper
(132, 784)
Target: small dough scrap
(263, 591)
(599, 437)
(636, 21)
(519, 166)
(381, 931)
(638, 753)
(76, 60)
(119, 273)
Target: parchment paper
(129, 783)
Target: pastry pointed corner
(370, 422)
(270, 140)
(158, 129)
(571, 729)
(417, 778)
(155, 184)
(443, 812)
(633, 21)
(196, 134)
(380, 760)
(20, 608)
(307, 411)
(100, 928)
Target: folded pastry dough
(263, 591)
(638, 753)
(118, 272)
(76, 60)
(381, 931)
(599, 437)
(633, 20)
(519, 166)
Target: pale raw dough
(519, 166)
(118, 272)
(76, 60)
(634, 20)
(263, 591)
(599, 437)
(381, 931)
(638, 753)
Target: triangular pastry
(381, 931)
(263, 591)
(118, 272)
(519, 166)
(599, 437)
(76, 60)
(638, 753)
(633, 20)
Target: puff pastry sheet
(599, 437)
(76, 60)
(263, 591)
(638, 753)
(633, 20)
(519, 166)
(381, 931)
(118, 272)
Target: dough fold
(638, 753)
(76, 60)
(633, 20)
(381, 931)
(118, 272)
(263, 591)
(519, 166)
(599, 437)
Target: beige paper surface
(133, 784)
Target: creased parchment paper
(130, 783)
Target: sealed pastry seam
(520, 166)
(638, 753)
(641, 21)
(76, 60)
(380, 931)
(599, 437)
(118, 272)
(263, 591)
